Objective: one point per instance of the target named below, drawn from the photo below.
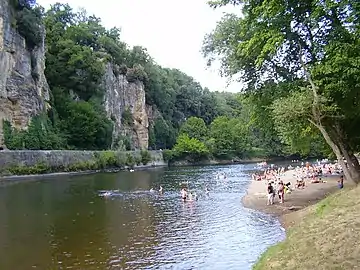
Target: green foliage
(40, 135)
(127, 117)
(195, 127)
(130, 160)
(28, 21)
(85, 128)
(137, 73)
(106, 159)
(277, 49)
(168, 155)
(230, 136)
(190, 148)
(145, 157)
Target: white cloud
(172, 31)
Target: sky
(171, 30)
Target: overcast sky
(171, 30)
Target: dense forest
(267, 119)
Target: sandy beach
(256, 197)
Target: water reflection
(63, 223)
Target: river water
(62, 223)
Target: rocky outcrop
(120, 96)
(23, 86)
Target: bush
(40, 135)
(169, 155)
(28, 23)
(145, 157)
(106, 159)
(123, 69)
(136, 73)
(127, 117)
(130, 160)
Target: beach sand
(256, 197)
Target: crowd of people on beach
(304, 173)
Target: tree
(190, 148)
(195, 127)
(299, 41)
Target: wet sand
(256, 197)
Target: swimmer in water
(183, 194)
(207, 191)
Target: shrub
(106, 159)
(136, 73)
(127, 117)
(28, 23)
(130, 160)
(145, 157)
(123, 69)
(168, 155)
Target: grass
(328, 237)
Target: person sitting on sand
(300, 184)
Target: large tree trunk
(337, 151)
(336, 141)
(351, 161)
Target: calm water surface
(62, 222)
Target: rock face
(21, 96)
(120, 96)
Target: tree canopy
(311, 48)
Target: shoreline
(70, 173)
(290, 212)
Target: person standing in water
(161, 190)
(183, 194)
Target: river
(61, 222)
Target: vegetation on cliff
(301, 60)
(328, 237)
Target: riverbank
(256, 196)
(30, 163)
(321, 223)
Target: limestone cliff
(23, 86)
(122, 95)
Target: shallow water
(62, 222)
